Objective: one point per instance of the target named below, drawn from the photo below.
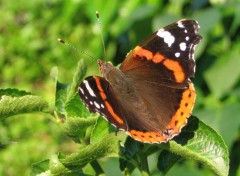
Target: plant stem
(97, 168)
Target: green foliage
(83, 143)
(197, 141)
(14, 102)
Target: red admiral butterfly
(150, 96)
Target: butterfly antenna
(100, 28)
(75, 48)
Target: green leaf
(40, 167)
(198, 142)
(78, 76)
(225, 73)
(61, 96)
(13, 92)
(108, 147)
(61, 92)
(75, 107)
(135, 154)
(100, 130)
(67, 100)
(218, 118)
(58, 169)
(76, 127)
(235, 159)
(166, 160)
(13, 102)
(130, 151)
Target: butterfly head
(105, 67)
(115, 77)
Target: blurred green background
(29, 50)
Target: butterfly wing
(98, 97)
(170, 50)
(160, 68)
(159, 112)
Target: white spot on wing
(177, 54)
(191, 53)
(185, 30)
(89, 88)
(81, 90)
(183, 46)
(187, 38)
(97, 105)
(102, 106)
(91, 102)
(180, 24)
(167, 37)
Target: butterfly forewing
(97, 96)
(165, 48)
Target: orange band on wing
(139, 51)
(179, 119)
(158, 58)
(103, 95)
(115, 116)
(147, 137)
(142, 53)
(176, 68)
(98, 83)
(108, 106)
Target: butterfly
(151, 95)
